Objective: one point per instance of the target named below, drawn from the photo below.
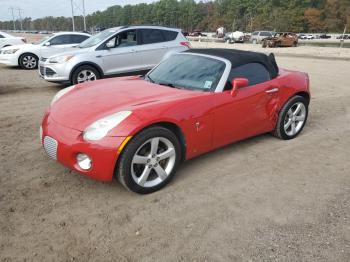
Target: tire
(295, 44)
(288, 117)
(28, 61)
(85, 73)
(139, 150)
(264, 44)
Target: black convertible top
(239, 57)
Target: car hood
(91, 101)
(67, 51)
(18, 46)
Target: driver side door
(120, 53)
(250, 111)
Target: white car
(27, 55)
(9, 40)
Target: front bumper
(9, 59)
(54, 72)
(63, 144)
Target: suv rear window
(265, 34)
(151, 36)
(169, 35)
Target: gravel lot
(262, 199)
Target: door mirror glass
(238, 83)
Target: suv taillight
(187, 44)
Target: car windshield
(186, 71)
(42, 40)
(96, 39)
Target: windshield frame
(224, 77)
(113, 31)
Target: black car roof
(239, 58)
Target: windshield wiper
(169, 85)
(149, 78)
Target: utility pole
(20, 17)
(13, 18)
(84, 15)
(71, 2)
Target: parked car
(343, 37)
(139, 129)
(9, 40)
(27, 55)
(282, 39)
(234, 37)
(324, 36)
(258, 36)
(114, 51)
(196, 33)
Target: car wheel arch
(27, 53)
(303, 94)
(97, 67)
(173, 127)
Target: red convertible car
(140, 129)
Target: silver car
(114, 51)
(257, 36)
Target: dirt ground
(262, 199)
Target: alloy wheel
(29, 62)
(85, 76)
(294, 119)
(153, 162)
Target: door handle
(273, 90)
(99, 56)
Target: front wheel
(28, 61)
(292, 118)
(84, 74)
(149, 160)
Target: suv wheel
(84, 74)
(28, 61)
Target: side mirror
(47, 44)
(238, 83)
(110, 44)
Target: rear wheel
(28, 61)
(84, 74)
(292, 118)
(149, 160)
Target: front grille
(50, 72)
(42, 70)
(50, 146)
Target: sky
(42, 8)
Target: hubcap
(29, 61)
(294, 119)
(153, 162)
(86, 75)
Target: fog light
(84, 161)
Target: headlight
(10, 51)
(101, 127)
(60, 59)
(59, 94)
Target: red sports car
(140, 129)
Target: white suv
(27, 55)
(114, 51)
